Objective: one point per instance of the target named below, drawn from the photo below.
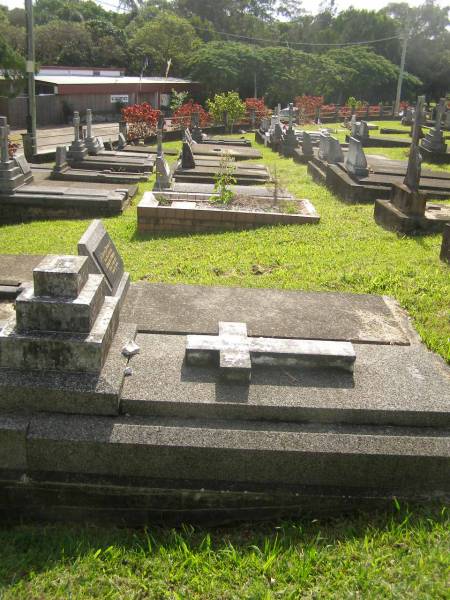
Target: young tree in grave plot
(141, 120)
(226, 108)
(183, 115)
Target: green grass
(364, 556)
(369, 557)
(346, 252)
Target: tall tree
(167, 37)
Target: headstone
(93, 144)
(413, 170)
(324, 146)
(355, 161)
(4, 150)
(23, 165)
(187, 156)
(408, 117)
(335, 154)
(278, 135)
(121, 141)
(197, 134)
(77, 149)
(265, 124)
(354, 130)
(363, 131)
(235, 353)
(15, 172)
(61, 160)
(163, 174)
(103, 256)
(65, 322)
(307, 147)
(434, 140)
(291, 115)
(159, 147)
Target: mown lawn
(392, 555)
(399, 556)
(347, 252)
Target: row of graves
(86, 179)
(401, 190)
(289, 141)
(141, 402)
(214, 186)
(433, 134)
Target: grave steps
(197, 454)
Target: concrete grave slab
(391, 385)
(324, 316)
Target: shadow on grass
(28, 550)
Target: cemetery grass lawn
(399, 555)
(345, 252)
(391, 554)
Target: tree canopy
(272, 47)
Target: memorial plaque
(23, 165)
(99, 247)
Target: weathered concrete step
(62, 392)
(238, 455)
(47, 314)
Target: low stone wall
(154, 218)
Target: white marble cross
(235, 353)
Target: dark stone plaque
(99, 247)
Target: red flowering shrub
(141, 120)
(404, 105)
(183, 115)
(307, 106)
(256, 104)
(12, 148)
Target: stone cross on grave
(195, 119)
(159, 147)
(4, 153)
(88, 123)
(414, 168)
(418, 114)
(291, 115)
(440, 114)
(235, 353)
(76, 126)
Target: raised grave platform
(341, 407)
(378, 183)
(159, 212)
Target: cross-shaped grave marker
(235, 353)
